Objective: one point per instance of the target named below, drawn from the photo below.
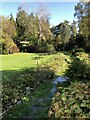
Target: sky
(59, 11)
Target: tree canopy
(31, 32)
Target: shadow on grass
(18, 85)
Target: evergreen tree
(82, 12)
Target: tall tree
(8, 34)
(11, 17)
(31, 31)
(21, 21)
(62, 33)
(73, 29)
(82, 12)
(43, 23)
(33, 27)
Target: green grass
(24, 109)
(19, 61)
(12, 66)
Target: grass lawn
(19, 61)
(16, 80)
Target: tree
(82, 12)
(73, 29)
(11, 17)
(8, 27)
(43, 24)
(8, 34)
(31, 31)
(62, 34)
(21, 22)
(66, 32)
(34, 28)
(21, 27)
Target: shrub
(81, 54)
(79, 50)
(78, 70)
(71, 102)
(50, 48)
(14, 49)
(33, 48)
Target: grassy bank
(72, 97)
(28, 90)
(38, 79)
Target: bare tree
(43, 16)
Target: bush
(78, 70)
(14, 49)
(33, 48)
(79, 50)
(42, 48)
(9, 49)
(81, 54)
(50, 48)
(80, 40)
(71, 102)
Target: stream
(60, 79)
(42, 103)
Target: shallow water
(60, 79)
